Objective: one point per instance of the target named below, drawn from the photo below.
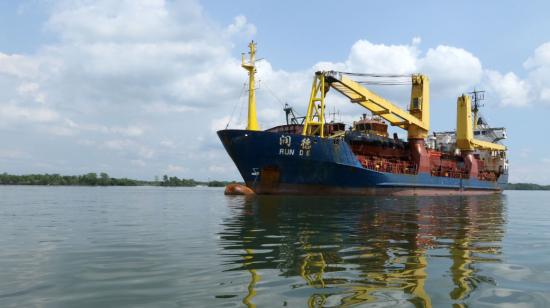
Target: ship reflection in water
(329, 251)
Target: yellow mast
(420, 107)
(251, 68)
(464, 128)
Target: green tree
(104, 179)
(89, 179)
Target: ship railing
(483, 175)
(486, 175)
(406, 167)
(449, 173)
(388, 165)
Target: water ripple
(162, 247)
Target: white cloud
(171, 169)
(86, 142)
(18, 66)
(61, 130)
(455, 70)
(448, 67)
(540, 57)
(366, 57)
(15, 113)
(118, 144)
(96, 21)
(241, 26)
(538, 66)
(164, 108)
(545, 94)
(511, 90)
(132, 131)
(145, 152)
(32, 90)
(222, 122)
(130, 77)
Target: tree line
(526, 186)
(101, 179)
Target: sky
(138, 88)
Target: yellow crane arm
(373, 102)
(416, 120)
(464, 128)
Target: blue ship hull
(278, 163)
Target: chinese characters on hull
(285, 143)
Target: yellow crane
(464, 128)
(416, 121)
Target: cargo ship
(310, 155)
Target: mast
(477, 96)
(251, 68)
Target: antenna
(477, 97)
(333, 114)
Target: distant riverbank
(526, 186)
(101, 179)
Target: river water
(195, 247)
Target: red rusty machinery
(440, 164)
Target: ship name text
(285, 141)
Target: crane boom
(416, 122)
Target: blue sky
(498, 32)
(138, 88)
